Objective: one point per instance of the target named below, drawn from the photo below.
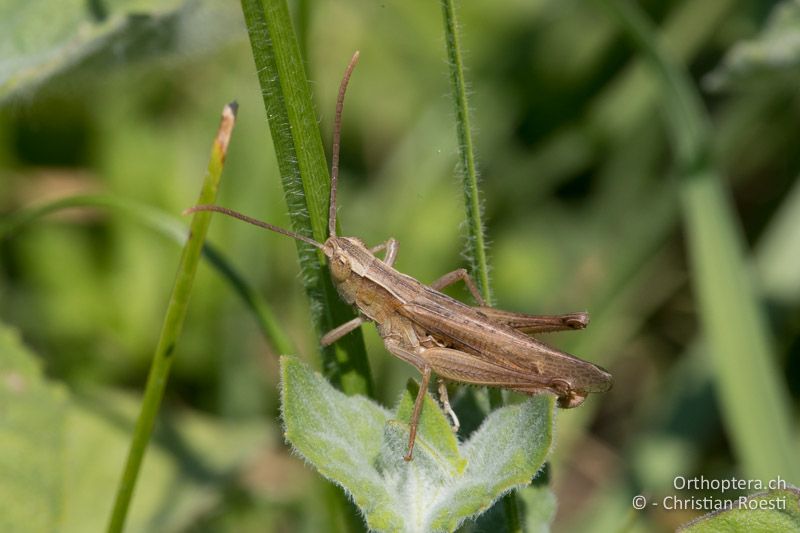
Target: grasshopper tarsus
(576, 320)
(444, 400)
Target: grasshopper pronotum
(479, 345)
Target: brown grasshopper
(437, 334)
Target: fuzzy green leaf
(40, 49)
(539, 504)
(190, 459)
(775, 53)
(31, 439)
(59, 454)
(37, 45)
(360, 446)
(765, 512)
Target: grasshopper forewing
(439, 335)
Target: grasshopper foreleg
(459, 275)
(391, 246)
(338, 332)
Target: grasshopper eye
(340, 268)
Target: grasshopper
(477, 345)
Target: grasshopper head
(346, 255)
(338, 261)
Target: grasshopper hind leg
(411, 355)
(423, 389)
(519, 321)
(536, 323)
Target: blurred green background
(582, 213)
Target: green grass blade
(306, 182)
(753, 397)
(173, 229)
(476, 243)
(173, 323)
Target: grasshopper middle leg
(459, 275)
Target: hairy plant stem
(476, 243)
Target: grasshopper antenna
(337, 135)
(253, 221)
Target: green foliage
(191, 456)
(37, 45)
(60, 453)
(171, 228)
(360, 446)
(31, 439)
(765, 512)
(739, 340)
(581, 209)
(539, 508)
(774, 55)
